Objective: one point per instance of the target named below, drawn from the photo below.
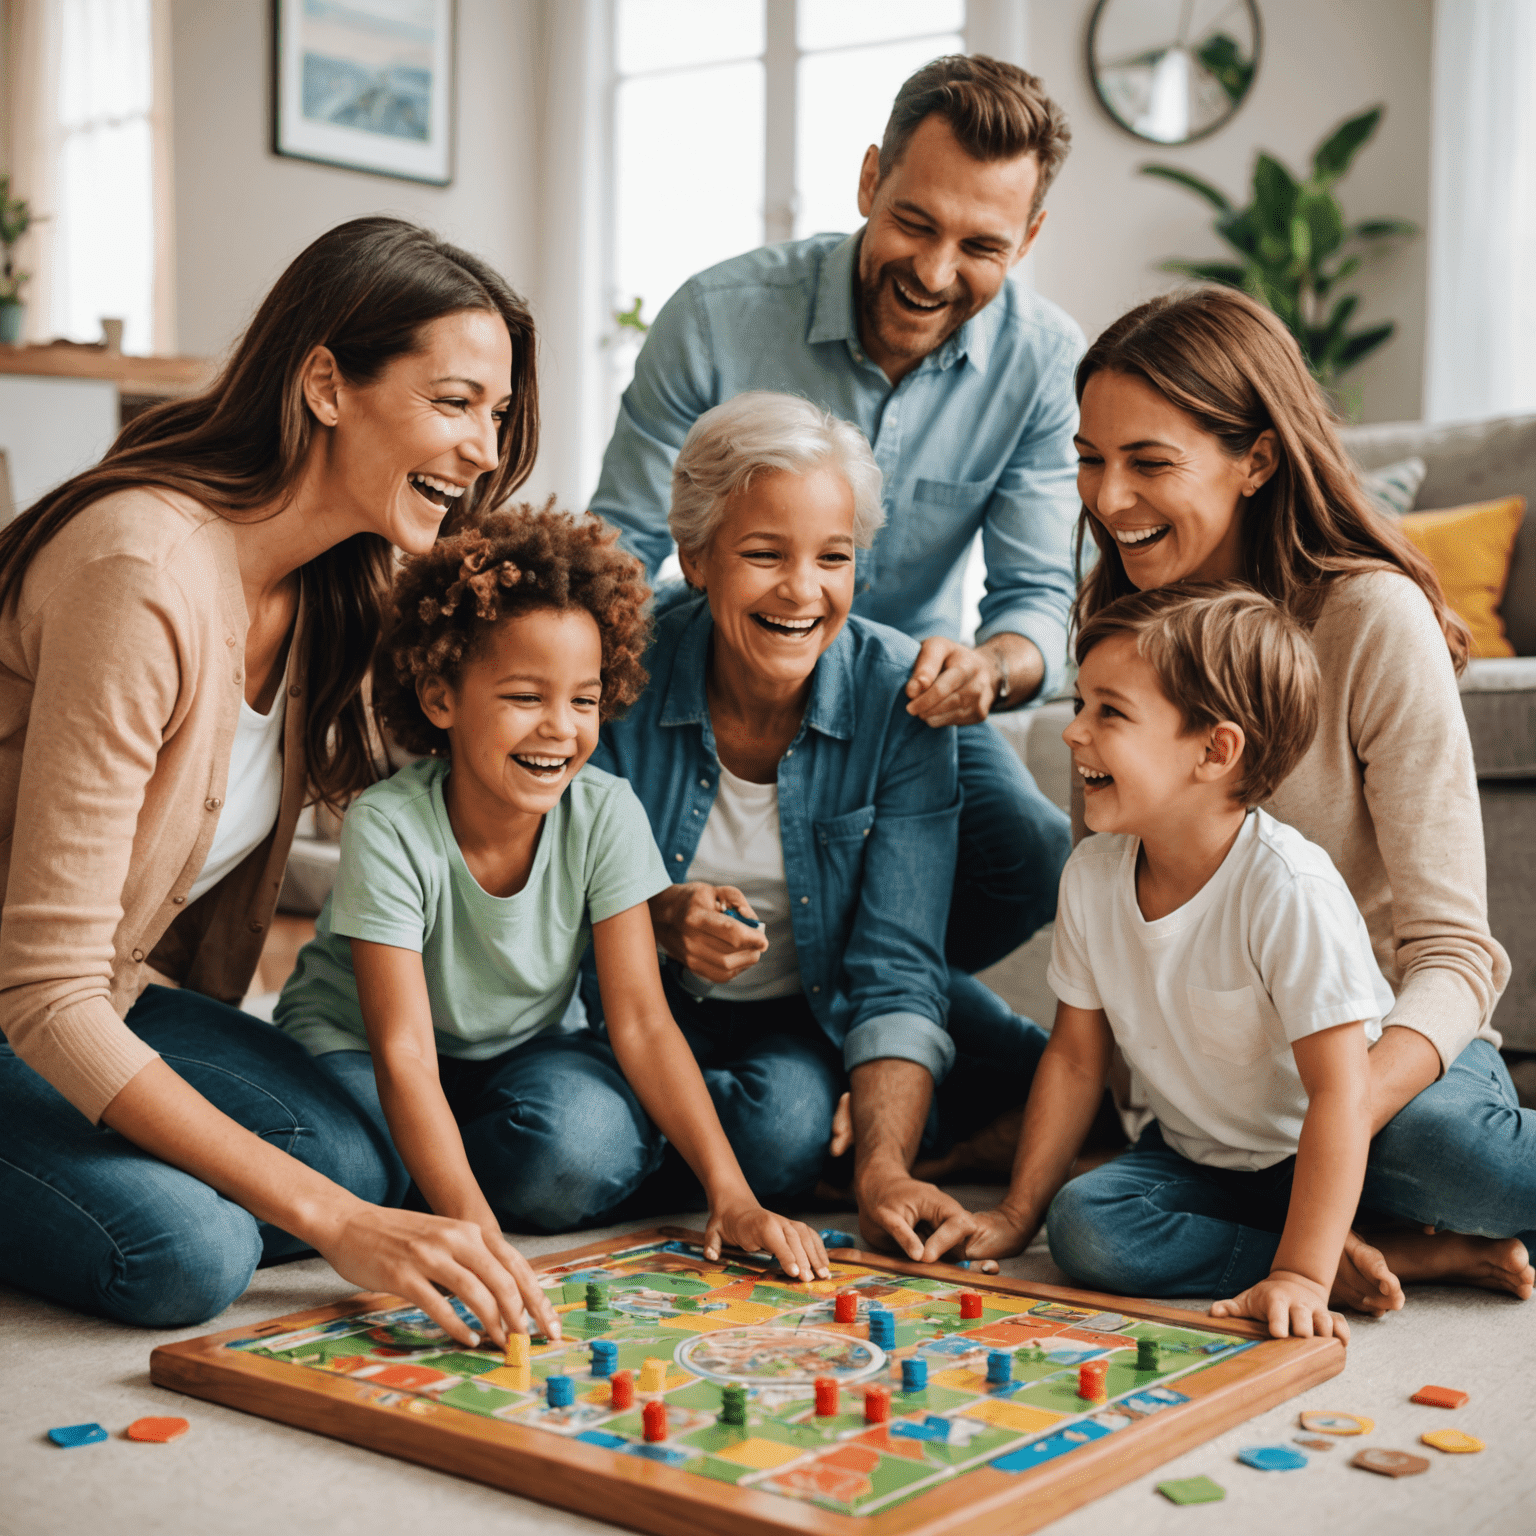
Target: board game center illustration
(856, 1396)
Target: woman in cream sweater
(184, 631)
(1207, 453)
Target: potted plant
(15, 220)
(1294, 248)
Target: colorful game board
(962, 1453)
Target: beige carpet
(234, 1475)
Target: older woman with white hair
(810, 824)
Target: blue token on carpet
(1271, 1458)
(77, 1434)
(832, 1238)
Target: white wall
(242, 213)
(1323, 60)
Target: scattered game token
(1337, 1423)
(1192, 1490)
(832, 1238)
(70, 1435)
(1453, 1441)
(1272, 1458)
(1390, 1463)
(1312, 1443)
(157, 1431)
(1439, 1397)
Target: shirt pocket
(958, 495)
(1228, 1025)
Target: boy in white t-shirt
(1225, 956)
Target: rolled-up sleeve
(670, 391)
(895, 954)
(1026, 531)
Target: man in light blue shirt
(963, 383)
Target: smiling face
(779, 573)
(523, 716)
(943, 231)
(1140, 767)
(406, 446)
(1166, 491)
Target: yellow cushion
(1470, 549)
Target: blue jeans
(1461, 1156)
(1013, 846)
(88, 1220)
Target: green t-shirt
(499, 968)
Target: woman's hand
(417, 1257)
(749, 1227)
(691, 926)
(1290, 1304)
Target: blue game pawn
(914, 1375)
(71, 1435)
(1272, 1458)
(999, 1367)
(605, 1356)
(882, 1327)
(561, 1390)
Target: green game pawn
(597, 1297)
(1147, 1355)
(734, 1405)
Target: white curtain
(90, 132)
(1482, 319)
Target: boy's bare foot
(1450, 1258)
(1365, 1282)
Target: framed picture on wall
(366, 84)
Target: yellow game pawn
(653, 1375)
(520, 1362)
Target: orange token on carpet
(157, 1431)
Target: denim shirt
(978, 437)
(869, 808)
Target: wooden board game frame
(660, 1500)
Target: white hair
(760, 430)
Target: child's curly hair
(447, 601)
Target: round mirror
(1173, 70)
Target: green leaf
(1301, 243)
(1275, 193)
(1227, 272)
(1240, 230)
(1382, 229)
(1213, 195)
(1326, 282)
(1334, 154)
(1325, 222)
(1362, 343)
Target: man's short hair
(761, 432)
(997, 111)
(1224, 653)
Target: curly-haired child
(469, 886)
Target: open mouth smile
(1093, 778)
(440, 493)
(791, 629)
(909, 300)
(547, 770)
(1138, 539)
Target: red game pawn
(1090, 1380)
(845, 1307)
(622, 1390)
(877, 1405)
(826, 1397)
(654, 1417)
(970, 1304)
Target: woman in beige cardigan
(1207, 453)
(184, 631)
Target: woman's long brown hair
(365, 290)
(1227, 362)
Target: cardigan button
(805, 901)
(229, 640)
(212, 805)
(678, 857)
(138, 954)
(177, 901)
(703, 783)
(294, 691)
(257, 927)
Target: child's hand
(999, 1235)
(1290, 1304)
(748, 1226)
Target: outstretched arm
(1063, 1099)
(1330, 1168)
(658, 1065)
